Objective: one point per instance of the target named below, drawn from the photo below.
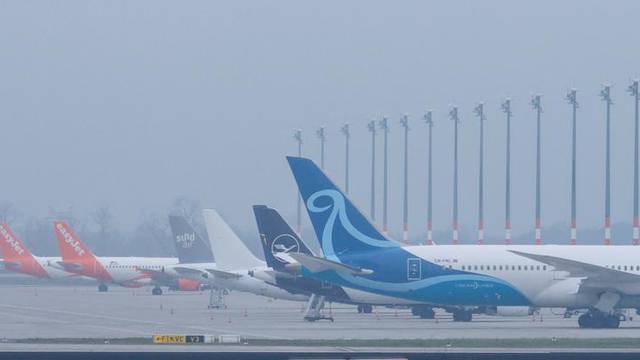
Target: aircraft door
(414, 269)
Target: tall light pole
(323, 138)
(605, 94)
(404, 122)
(371, 126)
(428, 119)
(537, 106)
(479, 111)
(384, 126)
(453, 114)
(573, 101)
(633, 91)
(506, 108)
(297, 135)
(347, 135)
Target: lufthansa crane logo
(186, 240)
(284, 243)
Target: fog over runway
(82, 312)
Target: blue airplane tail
(277, 236)
(340, 226)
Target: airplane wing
(591, 273)
(317, 264)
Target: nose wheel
(156, 291)
(103, 288)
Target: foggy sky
(130, 104)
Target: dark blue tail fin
(340, 227)
(277, 236)
(190, 247)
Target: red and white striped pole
(633, 91)
(479, 111)
(506, 108)
(573, 101)
(605, 94)
(428, 118)
(453, 114)
(537, 105)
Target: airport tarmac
(83, 312)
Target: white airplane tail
(230, 252)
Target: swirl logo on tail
(338, 209)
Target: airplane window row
(157, 267)
(623, 267)
(503, 268)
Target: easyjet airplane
(18, 258)
(134, 272)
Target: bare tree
(153, 234)
(191, 210)
(103, 218)
(8, 213)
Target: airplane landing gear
(365, 309)
(425, 312)
(103, 287)
(462, 316)
(156, 291)
(599, 320)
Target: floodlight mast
(384, 126)
(605, 94)
(404, 122)
(573, 101)
(428, 119)
(536, 104)
(453, 115)
(323, 138)
(633, 91)
(479, 112)
(371, 126)
(297, 135)
(506, 108)
(347, 135)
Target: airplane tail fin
(340, 226)
(17, 256)
(76, 255)
(72, 249)
(190, 246)
(277, 237)
(231, 252)
(12, 248)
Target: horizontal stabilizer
(223, 274)
(317, 264)
(70, 266)
(12, 265)
(191, 272)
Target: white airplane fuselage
(542, 284)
